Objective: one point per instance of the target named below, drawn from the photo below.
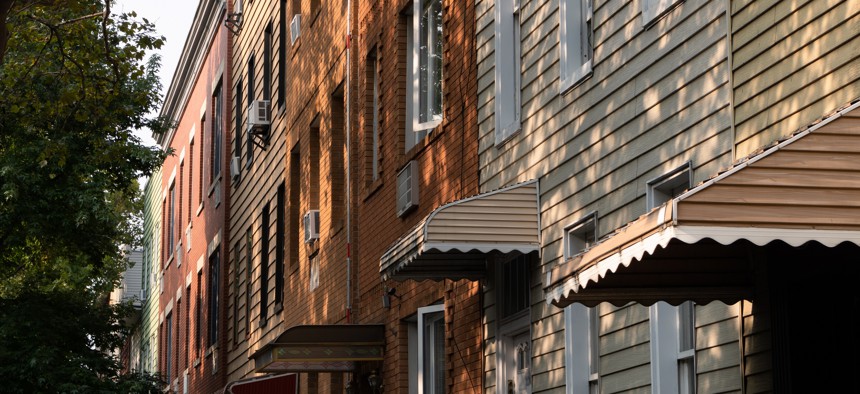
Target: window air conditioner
(259, 116)
(407, 188)
(312, 225)
(235, 168)
(295, 28)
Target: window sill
(199, 208)
(196, 362)
(418, 149)
(565, 87)
(279, 308)
(215, 183)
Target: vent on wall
(312, 225)
(407, 188)
(295, 28)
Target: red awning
(281, 384)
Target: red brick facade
(448, 170)
(195, 197)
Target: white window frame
(572, 232)
(652, 10)
(668, 186)
(417, 130)
(666, 353)
(508, 70)
(424, 374)
(575, 42)
(581, 349)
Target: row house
(147, 329)
(288, 285)
(194, 199)
(140, 350)
(416, 134)
(522, 196)
(692, 167)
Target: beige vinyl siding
(718, 348)
(657, 98)
(793, 62)
(757, 352)
(625, 350)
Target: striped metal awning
(698, 245)
(453, 240)
(321, 348)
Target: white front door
(518, 367)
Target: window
(249, 143)
(237, 139)
(315, 7)
(580, 235)
(314, 198)
(279, 245)
(171, 219)
(295, 189)
(581, 354)
(179, 204)
(168, 346)
(672, 328)
(673, 368)
(425, 67)
(372, 88)
(430, 345)
(336, 159)
(202, 155)
(576, 42)
(190, 177)
(213, 290)
(198, 312)
(668, 186)
(249, 260)
(145, 270)
(282, 54)
(264, 266)
(654, 9)
(217, 132)
(267, 62)
(188, 321)
(515, 286)
(236, 261)
(508, 69)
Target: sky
(172, 19)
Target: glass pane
(439, 355)
(686, 378)
(686, 326)
(430, 62)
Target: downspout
(348, 170)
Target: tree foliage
(74, 84)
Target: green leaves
(73, 87)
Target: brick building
(194, 198)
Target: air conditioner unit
(259, 117)
(407, 188)
(312, 225)
(235, 168)
(295, 28)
